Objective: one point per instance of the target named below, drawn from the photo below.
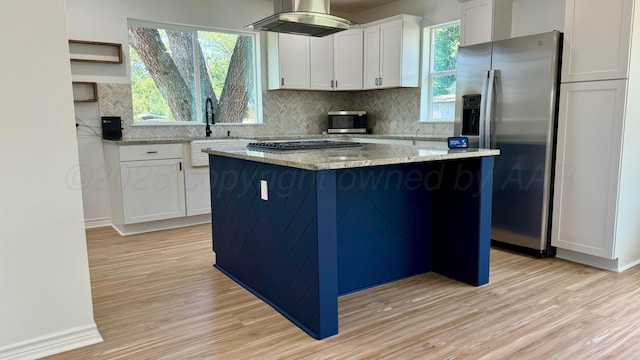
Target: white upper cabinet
(348, 54)
(392, 53)
(484, 20)
(371, 57)
(321, 62)
(596, 40)
(288, 62)
(336, 61)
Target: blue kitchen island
(300, 228)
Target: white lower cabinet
(152, 190)
(197, 186)
(588, 167)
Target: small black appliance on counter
(111, 127)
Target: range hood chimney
(302, 17)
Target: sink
(198, 158)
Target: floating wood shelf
(95, 52)
(85, 91)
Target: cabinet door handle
(281, 81)
(336, 84)
(376, 81)
(332, 84)
(152, 152)
(380, 82)
(180, 165)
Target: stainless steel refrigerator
(507, 99)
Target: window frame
(428, 74)
(199, 105)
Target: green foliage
(217, 49)
(147, 99)
(445, 57)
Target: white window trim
(194, 30)
(426, 115)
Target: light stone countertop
(145, 141)
(349, 157)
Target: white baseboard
(139, 228)
(585, 259)
(96, 223)
(52, 344)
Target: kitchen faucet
(208, 105)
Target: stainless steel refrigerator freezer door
(474, 62)
(523, 128)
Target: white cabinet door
(596, 40)
(476, 22)
(321, 66)
(293, 60)
(348, 54)
(371, 57)
(390, 54)
(152, 190)
(590, 129)
(198, 197)
(484, 20)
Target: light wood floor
(156, 296)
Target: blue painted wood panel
(384, 225)
(462, 221)
(272, 247)
(325, 233)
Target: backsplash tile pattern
(392, 112)
(396, 112)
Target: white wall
(432, 11)
(537, 16)
(101, 20)
(45, 293)
(107, 21)
(528, 17)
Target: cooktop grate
(300, 145)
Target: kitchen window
(174, 69)
(439, 63)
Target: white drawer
(150, 152)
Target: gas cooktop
(300, 145)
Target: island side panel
(327, 254)
(462, 221)
(384, 224)
(274, 248)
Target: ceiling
(354, 6)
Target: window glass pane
(443, 98)
(445, 47)
(439, 63)
(175, 69)
(227, 75)
(162, 74)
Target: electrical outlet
(264, 190)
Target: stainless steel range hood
(302, 17)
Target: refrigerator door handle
(483, 106)
(488, 131)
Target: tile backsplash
(285, 112)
